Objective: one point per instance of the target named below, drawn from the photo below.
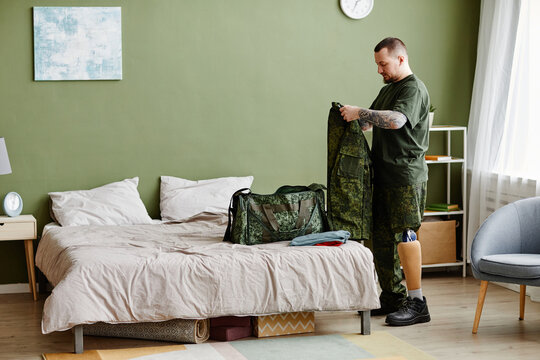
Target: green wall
(213, 88)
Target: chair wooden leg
(522, 291)
(480, 305)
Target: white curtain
(504, 134)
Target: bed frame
(365, 329)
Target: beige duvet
(158, 272)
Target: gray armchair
(506, 248)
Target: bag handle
(288, 189)
(316, 209)
(232, 205)
(303, 212)
(302, 207)
(269, 212)
(270, 224)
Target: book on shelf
(438, 157)
(442, 207)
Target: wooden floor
(451, 299)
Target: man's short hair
(392, 44)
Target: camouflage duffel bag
(289, 212)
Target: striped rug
(379, 345)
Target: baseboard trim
(532, 291)
(14, 288)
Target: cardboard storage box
(438, 240)
(284, 324)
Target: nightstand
(22, 227)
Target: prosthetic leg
(415, 309)
(410, 255)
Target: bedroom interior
(238, 89)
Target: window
(519, 150)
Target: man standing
(399, 117)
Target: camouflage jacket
(349, 177)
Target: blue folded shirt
(313, 239)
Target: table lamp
(12, 203)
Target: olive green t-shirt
(398, 155)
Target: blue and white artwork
(77, 43)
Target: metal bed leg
(78, 339)
(365, 322)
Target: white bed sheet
(158, 272)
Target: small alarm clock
(12, 204)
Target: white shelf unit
(463, 212)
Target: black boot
(413, 311)
(385, 309)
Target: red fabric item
(231, 321)
(229, 333)
(330, 243)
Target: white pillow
(181, 198)
(117, 203)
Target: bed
(183, 270)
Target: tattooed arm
(385, 119)
(364, 125)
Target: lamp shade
(5, 167)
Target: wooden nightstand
(22, 227)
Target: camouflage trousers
(395, 209)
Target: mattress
(164, 271)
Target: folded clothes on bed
(330, 243)
(318, 238)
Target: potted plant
(431, 115)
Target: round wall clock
(356, 9)
(13, 204)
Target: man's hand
(352, 113)
(349, 112)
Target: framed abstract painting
(77, 43)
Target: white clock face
(356, 9)
(12, 201)
(12, 204)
